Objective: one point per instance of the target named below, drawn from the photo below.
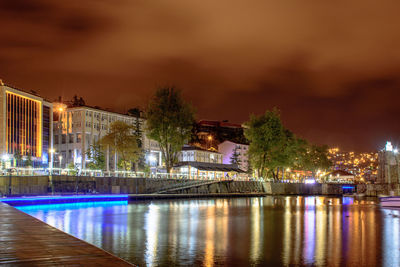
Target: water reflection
(274, 231)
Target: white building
(228, 149)
(199, 163)
(191, 153)
(76, 128)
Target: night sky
(332, 67)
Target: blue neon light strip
(347, 187)
(17, 201)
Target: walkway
(27, 241)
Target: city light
(151, 158)
(5, 157)
(388, 146)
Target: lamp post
(60, 158)
(52, 151)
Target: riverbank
(45, 185)
(27, 241)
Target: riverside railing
(22, 171)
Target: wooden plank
(27, 241)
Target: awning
(205, 166)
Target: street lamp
(60, 158)
(51, 151)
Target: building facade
(198, 163)
(388, 165)
(235, 153)
(77, 128)
(25, 127)
(191, 153)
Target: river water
(269, 231)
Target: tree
(135, 112)
(313, 158)
(96, 155)
(169, 122)
(271, 145)
(123, 141)
(29, 162)
(77, 102)
(18, 157)
(235, 157)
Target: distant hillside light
(389, 146)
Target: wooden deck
(27, 241)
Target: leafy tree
(125, 164)
(169, 122)
(135, 112)
(268, 143)
(77, 102)
(74, 169)
(96, 155)
(313, 158)
(29, 162)
(235, 157)
(123, 140)
(18, 157)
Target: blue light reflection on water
(86, 220)
(299, 230)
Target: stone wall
(42, 185)
(24, 185)
(375, 190)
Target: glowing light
(19, 201)
(151, 158)
(388, 146)
(5, 157)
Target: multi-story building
(25, 127)
(389, 165)
(235, 153)
(77, 128)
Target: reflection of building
(25, 125)
(234, 153)
(388, 169)
(77, 128)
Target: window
(70, 138)
(56, 139)
(63, 138)
(78, 137)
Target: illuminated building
(228, 149)
(76, 128)
(201, 163)
(389, 165)
(25, 127)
